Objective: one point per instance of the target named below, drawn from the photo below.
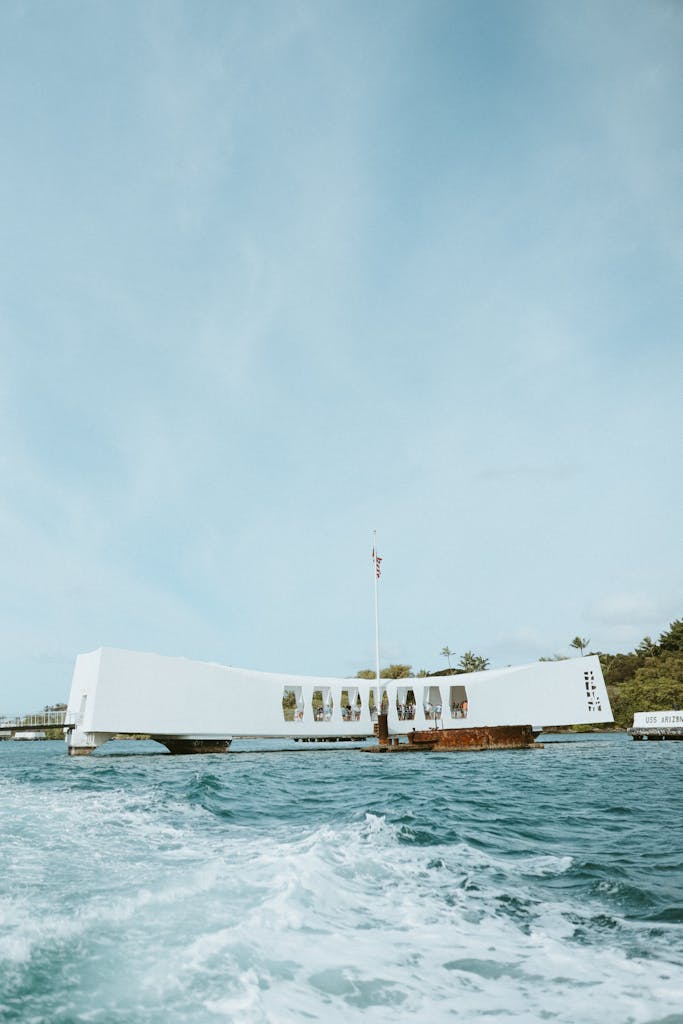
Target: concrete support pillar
(80, 744)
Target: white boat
(657, 725)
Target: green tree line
(649, 678)
(469, 662)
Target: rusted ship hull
(493, 737)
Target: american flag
(378, 563)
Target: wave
(220, 892)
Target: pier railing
(40, 720)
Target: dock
(657, 725)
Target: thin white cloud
(315, 272)
(624, 609)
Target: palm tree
(580, 643)
(647, 647)
(471, 662)
(446, 652)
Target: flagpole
(375, 576)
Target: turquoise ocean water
(317, 884)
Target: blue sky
(274, 275)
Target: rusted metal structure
(490, 737)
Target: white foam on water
(361, 921)
(208, 921)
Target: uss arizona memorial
(193, 706)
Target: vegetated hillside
(647, 679)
